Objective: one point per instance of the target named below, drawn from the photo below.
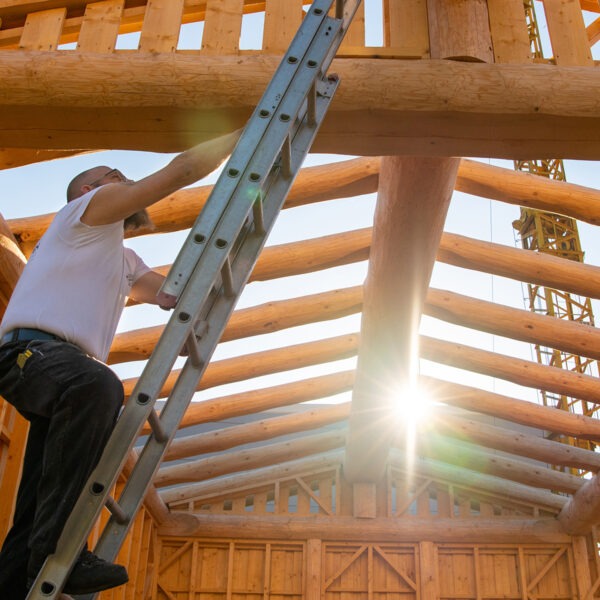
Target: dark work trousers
(71, 401)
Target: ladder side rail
(171, 414)
(146, 399)
(263, 114)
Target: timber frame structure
(326, 500)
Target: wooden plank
(460, 30)
(162, 22)
(406, 26)
(355, 36)
(282, 20)
(42, 30)
(313, 569)
(222, 26)
(570, 44)
(581, 561)
(508, 28)
(100, 26)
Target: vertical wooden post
(364, 500)
(460, 30)
(406, 26)
(414, 195)
(313, 570)
(428, 577)
(581, 560)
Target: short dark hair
(74, 187)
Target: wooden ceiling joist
(458, 476)
(511, 409)
(361, 176)
(245, 460)
(530, 110)
(513, 442)
(261, 477)
(582, 511)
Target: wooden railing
(406, 29)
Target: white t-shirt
(76, 282)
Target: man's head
(99, 176)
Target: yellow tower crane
(558, 235)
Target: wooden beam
(414, 195)
(236, 435)
(511, 409)
(260, 477)
(570, 336)
(12, 263)
(513, 442)
(476, 482)
(530, 110)
(520, 371)
(245, 460)
(456, 530)
(361, 176)
(469, 456)
(255, 401)
(256, 320)
(265, 362)
(582, 511)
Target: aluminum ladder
(208, 277)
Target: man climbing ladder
(207, 278)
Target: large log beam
(513, 442)
(470, 456)
(237, 482)
(471, 480)
(361, 176)
(414, 195)
(378, 530)
(245, 460)
(582, 511)
(511, 409)
(167, 102)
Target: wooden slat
(42, 30)
(100, 26)
(406, 26)
(162, 22)
(282, 20)
(222, 26)
(570, 44)
(355, 36)
(509, 31)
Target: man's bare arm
(117, 201)
(146, 289)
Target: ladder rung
(157, 429)
(259, 218)
(227, 278)
(116, 511)
(311, 110)
(286, 158)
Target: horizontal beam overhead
(383, 529)
(508, 111)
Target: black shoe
(93, 574)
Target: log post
(414, 194)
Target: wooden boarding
(222, 26)
(100, 26)
(42, 30)
(282, 20)
(160, 31)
